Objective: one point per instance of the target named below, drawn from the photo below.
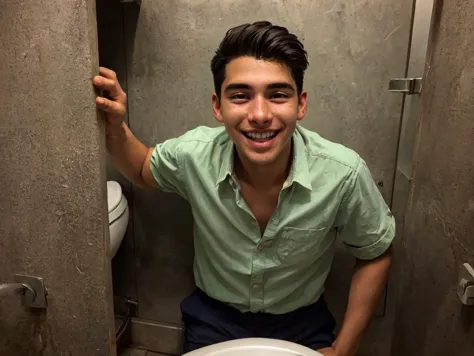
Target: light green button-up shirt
(329, 187)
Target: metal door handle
(28, 294)
(12, 289)
(31, 289)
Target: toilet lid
(254, 347)
(114, 195)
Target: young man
(265, 193)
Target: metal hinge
(405, 85)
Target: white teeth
(264, 135)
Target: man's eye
(279, 96)
(239, 96)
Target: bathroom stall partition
(438, 238)
(55, 274)
(161, 52)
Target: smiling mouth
(260, 136)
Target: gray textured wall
(354, 49)
(439, 234)
(53, 219)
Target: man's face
(259, 108)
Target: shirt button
(255, 285)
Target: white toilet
(118, 215)
(254, 347)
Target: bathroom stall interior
(391, 79)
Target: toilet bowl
(118, 215)
(254, 347)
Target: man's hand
(116, 103)
(130, 156)
(328, 351)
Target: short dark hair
(261, 40)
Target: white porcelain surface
(118, 215)
(254, 347)
(114, 194)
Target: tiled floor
(137, 352)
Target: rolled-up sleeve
(365, 223)
(166, 167)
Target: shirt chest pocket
(296, 244)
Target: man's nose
(260, 111)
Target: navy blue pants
(208, 321)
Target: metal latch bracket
(405, 85)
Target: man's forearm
(367, 286)
(127, 153)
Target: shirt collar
(299, 172)
(227, 165)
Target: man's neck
(265, 176)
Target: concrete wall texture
(53, 217)
(439, 225)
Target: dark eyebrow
(282, 85)
(236, 86)
(279, 85)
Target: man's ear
(302, 105)
(216, 107)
